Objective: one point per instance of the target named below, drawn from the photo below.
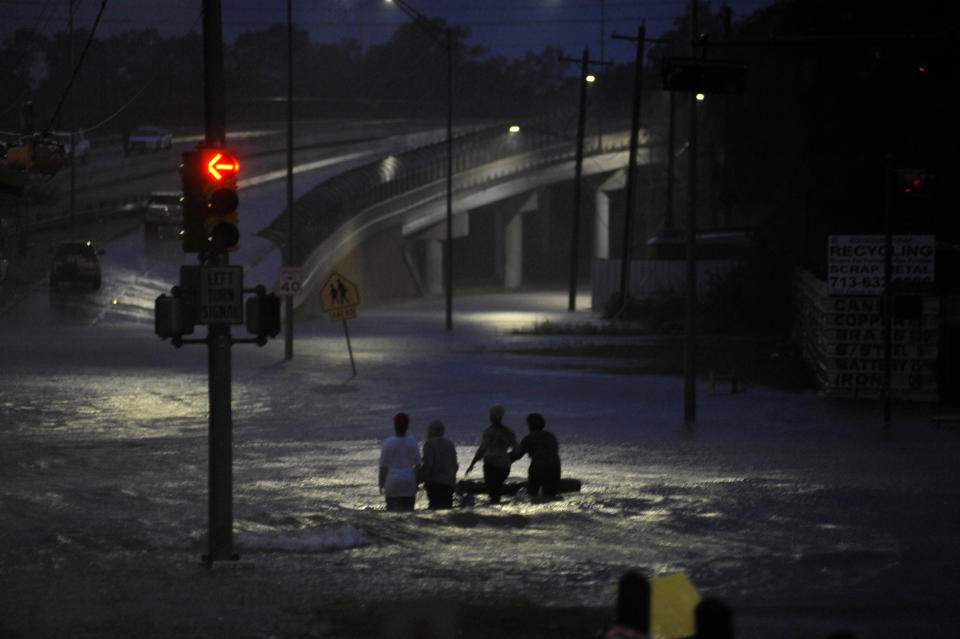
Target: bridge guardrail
(331, 204)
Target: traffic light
(914, 184)
(209, 178)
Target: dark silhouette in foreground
(632, 608)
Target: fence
(650, 278)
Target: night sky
(505, 27)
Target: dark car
(75, 263)
(149, 138)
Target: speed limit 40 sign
(289, 280)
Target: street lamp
(444, 37)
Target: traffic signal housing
(915, 184)
(209, 178)
(263, 315)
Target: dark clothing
(496, 444)
(546, 478)
(401, 503)
(544, 472)
(496, 447)
(439, 462)
(494, 476)
(440, 496)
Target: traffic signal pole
(220, 529)
(289, 256)
(690, 340)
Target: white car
(162, 210)
(64, 140)
(149, 138)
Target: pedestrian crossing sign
(339, 297)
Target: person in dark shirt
(439, 469)
(496, 447)
(544, 451)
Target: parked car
(75, 263)
(64, 140)
(162, 210)
(149, 138)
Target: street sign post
(340, 297)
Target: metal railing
(420, 174)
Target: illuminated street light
(514, 128)
(700, 97)
(591, 78)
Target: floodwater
(802, 512)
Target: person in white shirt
(399, 466)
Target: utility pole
(581, 125)
(448, 247)
(73, 130)
(632, 166)
(220, 536)
(288, 304)
(689, 353)
(887, 292)
(444, 37)
(671, 143)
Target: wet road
(800, 511)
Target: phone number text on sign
(855, 263)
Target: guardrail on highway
(335, 202)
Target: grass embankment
(770, 360)
(30, 258)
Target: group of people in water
(403, 467)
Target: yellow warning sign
(339, 297)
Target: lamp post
(444, 37)
(585, 79)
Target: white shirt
(400, 455)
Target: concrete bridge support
(601, 222)
(433, 267)
(428, 269)
(508, 239)
(513, 243)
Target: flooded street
(801, 511)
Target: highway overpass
(383, 224)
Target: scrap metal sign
(856, 263)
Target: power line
(76, 68)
